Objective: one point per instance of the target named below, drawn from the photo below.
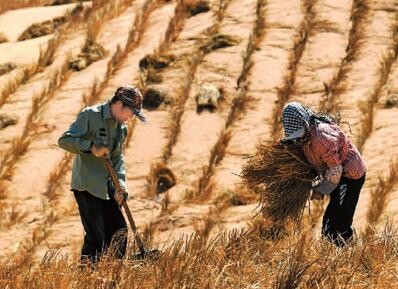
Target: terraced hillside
(339, 55)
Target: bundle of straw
(282, 177)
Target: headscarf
(298, 120)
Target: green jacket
(88, 171)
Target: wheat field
(57, 57)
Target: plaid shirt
(329, 147)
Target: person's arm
(73, 140)
(332, 141)
(330, 181)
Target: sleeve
(334, 147)
(330, 181)
(118, 161)
(73, 140)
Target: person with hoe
(100, 131)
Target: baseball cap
(132, 98)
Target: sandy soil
(14, 22)
(329, 30)
(24, 52)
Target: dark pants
(102, 220)
(339, 214)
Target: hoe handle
(118, 189)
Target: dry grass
(137, 30)
(315, 212)
(175, 26)
(233, 260)
(216, 155)
(379, 196)
(293, 267)
(240, 196)
(282, 177)
(152, 65)
(56, 176)
(22, 76)
(11, 215)
(46, 56)
(204, 226)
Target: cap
(132, 98)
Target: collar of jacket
(106, 111)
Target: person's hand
(317, 195)
(121, 197)
(99, 150)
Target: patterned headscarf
(296, 120)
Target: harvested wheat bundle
(282, 177)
